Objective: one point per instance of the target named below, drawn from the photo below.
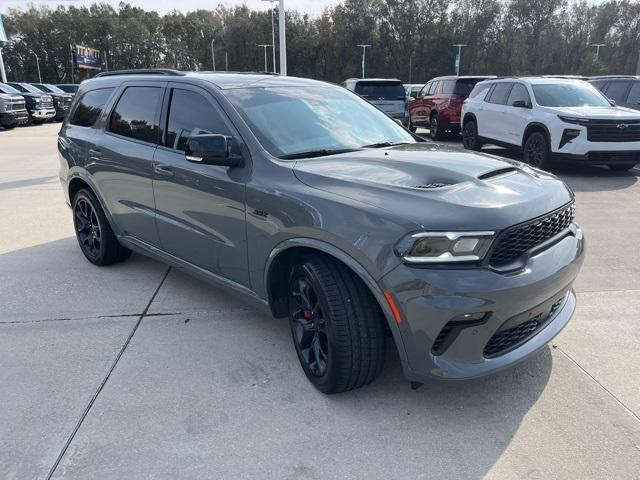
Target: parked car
(39, 105)
(438, 104)
(624, 90)
(68, 87)
(61, 99)
(318, 207)
(12, 107)
(412, 89)
(552, 119)
(386, 94)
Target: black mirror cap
(211, 149)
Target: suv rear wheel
(470, 136)
(95, 237)
(336, 324)
(536, 150)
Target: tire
(621, 168)
(470, 136)
(95, 236)
(336, 325)
(536, 150)
(434, 129)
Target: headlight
(444, 247)
(574, 120)
(4, 107)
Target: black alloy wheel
(536, 150)
(308, 324)
(434, 128)
(470, 136)
(87, 228)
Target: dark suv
(312, 203)
(439, 103)
(624, 90)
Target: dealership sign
(86, 58)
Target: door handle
(163, 170)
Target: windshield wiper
(383, 144)
(316, 153)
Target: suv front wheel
(435, 132)
(536, 150)
(336, 324)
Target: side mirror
(414, 95)
(520, 104)
(211, 149)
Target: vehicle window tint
(425, 90)
(464, 86)
(500, 93)
(380, 89)
(89, 107)
(480, 90)
(433, 88)
(448, 86)
(135, 114)
(634, 94)
(518, 92)
(598, 84)
(618, 91)
(190, 114)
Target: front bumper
(430, 298)
(581, 150)
(43, 113)
(19, 117)
(603, 157)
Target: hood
(604, 113)
(438, 187)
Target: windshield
(4, 88)
(53, 88)
(380, 90)
(25, 87)
(568, 95)
(42, 88)
(288, 121)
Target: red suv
(439, 103)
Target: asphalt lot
(138, 371)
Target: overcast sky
(312, 7)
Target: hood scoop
(434, 185)
(497, 173)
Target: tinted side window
(618, 91)
(433, 88)
(634, 94)
(479, 89)
(135, 114)
(598, 84)
(424, 90)
(518, 92)
(500, 93)
(190, 114)
(448, 86)
(89, 107)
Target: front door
(200, 209)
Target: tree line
(410, 39)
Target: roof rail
(143, 71)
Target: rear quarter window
(89, 107)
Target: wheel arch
(78, 181)
(469, 117)
(282, 259)
(535, 127)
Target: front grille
(613, 131)
(13, 106)
(45, 104)
(516, 240)
(504, 340)
(613, 157)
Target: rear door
(493, 118)
(200, 208)
(122, 155)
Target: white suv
(551, 119)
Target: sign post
(3, 40)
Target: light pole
(265, 46)
(282, 40)
(364, 50)
(596, 57)
(273, 35)
(213, 56)
(459, 45)
(38, 65)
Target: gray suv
(388, 94)
(312, 203)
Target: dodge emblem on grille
(622, 126)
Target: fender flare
(82, 174)
(537, 125)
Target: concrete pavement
(141, 371)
